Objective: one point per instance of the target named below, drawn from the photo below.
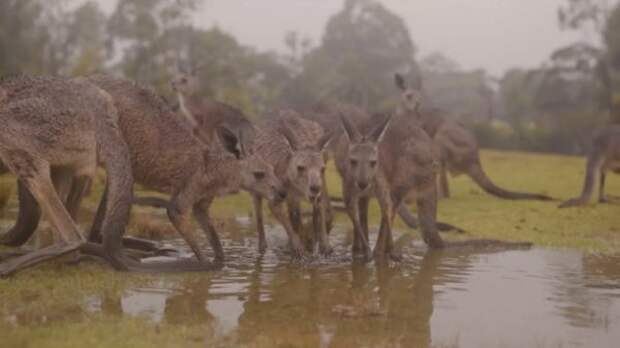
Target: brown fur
(604, 157)
(294, 146)
(52, 123)
(166, 158)
(389, 160)
(457, 146)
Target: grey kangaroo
(294, 146)
(54, 123)
(458, 147)
(604, 157)
(389, 162)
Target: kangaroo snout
(362, 185)
(315, 190)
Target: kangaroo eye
(301, 169)
(353, 163)
(259, 175)
(373, 164)
(184, 80)
(322, 170)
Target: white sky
(492, 34)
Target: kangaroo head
(363, 152)
(410, 98)
(185, 83)
(306, 165)
(255, 174)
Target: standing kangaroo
(389, 162)
(294, 146)
(604, 156)
(458, 148)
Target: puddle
(452, 298)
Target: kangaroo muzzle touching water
(602, 158)
(458, 148)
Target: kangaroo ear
(377, 133)
(231, 142)
(324, 141)
(290, 137)
(349, 128)
(400, 81)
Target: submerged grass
(38, 308)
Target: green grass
(43, 300)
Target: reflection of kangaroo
(457, 145)
(604, 156)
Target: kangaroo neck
(185, 110)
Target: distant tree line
(552, 107)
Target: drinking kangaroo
(165, 157)
(292, 145)
(458, 148)
(604, 156)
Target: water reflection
(461, 298)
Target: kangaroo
(458, 147)
(604, 156)
(50, 123)
(389, 162)
(165, 159)
(204, 114)
(327, 115)
(294, 147)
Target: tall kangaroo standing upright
(458, 147)
(604, 156)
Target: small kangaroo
(604, 156)
(390, 162)
(458, 148)
(294, 147)
(205, 115)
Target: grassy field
(49, 291)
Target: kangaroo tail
(480, 177)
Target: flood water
(452, 298)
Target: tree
(363, 46)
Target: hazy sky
(491, 34)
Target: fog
(474, 33)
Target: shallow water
(453, 298)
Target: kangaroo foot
(297, 248)
(325, 249)
(19, 263)
(572, 203)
